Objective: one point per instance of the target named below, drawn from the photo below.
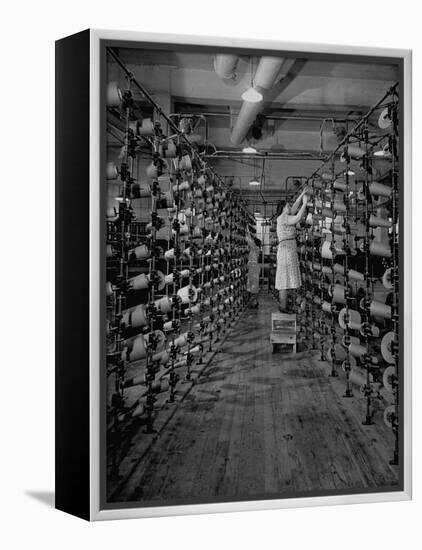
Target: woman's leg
(282, 296)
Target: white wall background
(27, 273)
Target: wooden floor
(259, 423)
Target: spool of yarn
(183, 186)
(140, 282)
(188, 294)
(326, 251)
(355, 152)
(146, 128)
(387, 344)
(113, 95)
(185, 163)
(359, 378)
(388, 378)
(338, 350)
(195, 139)
(387, 279)
(170, 149)
(389, 414)
(163, 305)
(109, 289)
(375, 221)
(377, 249)
(111, 171)
(384, 119)
(169, 254)
(380, 189)
(181, 340)
(378, 309)
(337, 292)
(373, 330)
(112, 214)
(152, 171)
(354, 322)
(353, 339)
(355, 275)
(357, 350)
(140, 252)
(136, 317)
(109, 251)
(339, 185)
(135, 349)
(352, 362)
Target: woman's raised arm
(293, 220)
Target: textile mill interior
(252, 267)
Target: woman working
(288, 271)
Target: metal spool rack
(175, 284)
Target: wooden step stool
(283, 332)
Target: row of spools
(175, 289)
(348, 303)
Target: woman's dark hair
(280, 206)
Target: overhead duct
(265, 77)
(267, 72)
(225, 65)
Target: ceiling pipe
(225, 66)
(265, 77)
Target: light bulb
(254, 183)
(249, 150)
(252, 96)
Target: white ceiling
(186, 82)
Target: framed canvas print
(233, 274)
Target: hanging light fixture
(249, 150)
(252, 95)
(254, 182)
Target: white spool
(357, 350)
(388, 378)
(376, 221)
(354, 319)
(386, 279)
(389, 413)
(185, 292)
(136, 317)
(146, 128)
(140, 252)
(185, 163)
(374, 331)
(352, 339)
(378, 249)
(109, 289)
(356, 275)
(380, 189)
(109, 251)
(111, 171)
(326, 252)
(151, 171)
(337, 292)
(170, 150)
(113, 95)
(163, 305)
(387, 343)
(181, 340)
(384, 121)
(378, 309)
(140, 282)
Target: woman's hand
(305, 199)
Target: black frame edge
(72, 420)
